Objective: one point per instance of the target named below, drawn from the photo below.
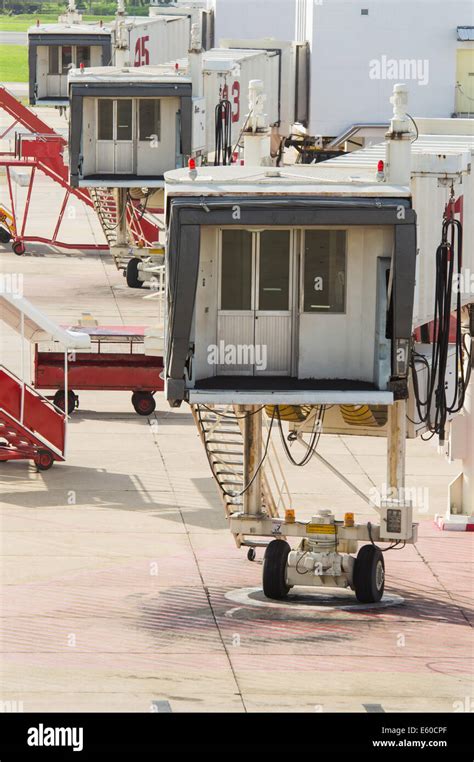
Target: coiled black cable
(223, 133)
(436, 408)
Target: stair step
(227, 450)
(231, 464)
(231, 428)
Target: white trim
(290, 396)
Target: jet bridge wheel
(274, 569)
(131, 273)
(369, 574)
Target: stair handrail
(34, 434)
(34, 391)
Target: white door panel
(235, 343)
(272, 344)
(105, 156)
(124, 157)
(53, 85)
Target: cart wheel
(44, 460)
(18, 247)
(71, 400)
(143, 402)
(131, 273)
(251, 554)
(369, 574)
(274, 569)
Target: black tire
(274, 570)
(143, 402)
(251, 554)
(19, 248)
(44, 460)
(369, 574)
(71, 400)
(131, 273)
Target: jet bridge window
(105, 115)
(274, 270)
(53, 60)
(324, 271)
(149, 112)
(236, 279)
(62, 57)
(124, 119)
(83, 55)
(66, 58)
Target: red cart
(117, 362)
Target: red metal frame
(29, 423)
(42, 150)
(124, 369)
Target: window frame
(336, 228)
(156, 103)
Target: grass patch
(14, 63)
(22, 22)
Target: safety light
(191, 164)
(380, 171)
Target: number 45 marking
(142, 54)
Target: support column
(468, 463)
(460, 511)
(396, 446)
(252, 433)
(121, 201)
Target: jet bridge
(293, 289)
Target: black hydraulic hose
(223, 133)
(436, 408)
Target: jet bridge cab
(53, 49)
(128, 125)
(286, 289)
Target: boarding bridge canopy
(34, 325)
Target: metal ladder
(106, 210)
(220, 428)
(140, 226)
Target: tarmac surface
(122, 588)
(13, 38)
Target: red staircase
(31, 427)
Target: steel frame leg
(396, 447)
(252, 434)
(121, 200)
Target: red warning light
(191, 164)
